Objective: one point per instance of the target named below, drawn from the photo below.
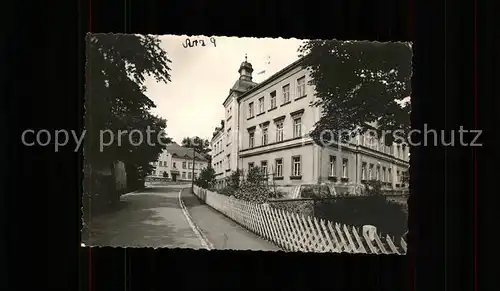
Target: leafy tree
(255, 175)
(235, 179)
(115, 100)
(201, 145)
(206, 178)
(356, 83)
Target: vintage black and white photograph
(233, 143)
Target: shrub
(298, 207)
(373, 188)
(228, 191)
(388, 217)
(234, 179)
(255, 176)
(253, 188)
(206, 179)
(315, 191)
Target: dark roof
(183, 153)
(243, 85)
(246, 65)
(240, 86)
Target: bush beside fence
(294, 232)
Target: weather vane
(245, 57)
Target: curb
(133, 192)
(204, 240)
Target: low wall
(294, 232)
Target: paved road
(156, 217)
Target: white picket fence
(293, 232)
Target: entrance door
(174, 177)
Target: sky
(202, 76)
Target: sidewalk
(148, 218)
(221, 231)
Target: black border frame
(46, 69)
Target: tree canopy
(358, 83)
(116, 70)
(201, 145)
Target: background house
(176, 163)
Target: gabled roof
(183, 153)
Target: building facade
(176, 163)
(267, 125)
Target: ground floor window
(296, 166)
(345, 172)
(279, 168)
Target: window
(173, 165)
(296, 166)
(389, 175)
(383, 174)
(190, 165)
(251, 139)
(297, 127)
(250, 166)
(273, 99)
(261, 105)
(286, 93)
(263, 166)
(250, 109)
(265, 135)
(190, 175)
(378, 173)
(196, 175)
(370, 172)
(301, 87)
(165, 164)
(279, 168)
(333, 162)
(183, 175)
(229, 136)
(363, 171)
(279, 131)
(183, 165)
(344, 168)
